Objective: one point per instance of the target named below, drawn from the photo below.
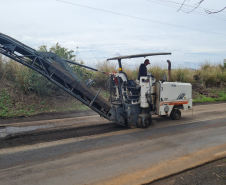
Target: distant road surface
(101, 152)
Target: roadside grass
(19, 83)
(28, 81)
(202, 98)
(208, 74)
(10, 108)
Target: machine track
(91, 124)
(35, 137)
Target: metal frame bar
(91, 103)
(41, 69)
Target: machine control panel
(145, 80)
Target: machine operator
(143, 69)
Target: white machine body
(165, 96)
(171, 95)
(146, 90)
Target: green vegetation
(208, 75)
(202, 98)
(25, 92)
(59, 50)
(8, 108)
(82, 73)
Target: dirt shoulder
(209, 174)
(66, 114)
(49, 116)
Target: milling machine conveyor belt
(56, 70)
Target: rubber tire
(139, 120)
(145, 125)
(141, 125)
(175, 114)
(148, 122)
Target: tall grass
(212, 74)
(23, 78)
(208, 74)
(100, 78)
(30, 81)
(180, 74)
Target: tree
(42, 48)
(198, 4)
(59, 50)
(63, 52)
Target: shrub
(100, 78)
(208, 74)
(30, 81)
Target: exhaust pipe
(169, 71)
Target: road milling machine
(131, 104)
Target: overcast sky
(149, 27)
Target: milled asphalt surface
(9, 160)
(131, 156)
(213, 173)
(48, 135)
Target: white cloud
(101, 35)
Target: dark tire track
(53, 135)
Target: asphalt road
(116, 156)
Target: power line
(139, 18)
(203, 8)
(198, 12)
(186, 9)
(172, 3)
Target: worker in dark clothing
(143, 69)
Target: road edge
(170, 167)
